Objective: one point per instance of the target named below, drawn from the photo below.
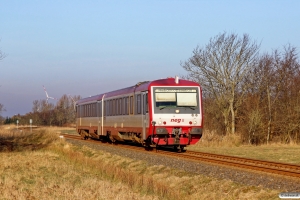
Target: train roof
(141, 86)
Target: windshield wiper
(191, 107)
(162, 107)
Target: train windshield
(183, 99)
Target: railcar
(164, 112)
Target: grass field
(230, 145)
(43, 166)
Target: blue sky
(90, 47)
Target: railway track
(284, 169)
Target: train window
(91, 114)
(94, 109)
(79, 111)
(116, 106)
(145, 103)
(84, 110)
(146, 107)
(104, 106)
(90, 110)
(120, 106)
(131, 105)
(107, 108)
(110, 108)
(126, 105)
(113, 107)
(138, 104)
(99, 109)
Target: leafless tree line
(244, 92)
(48, 114)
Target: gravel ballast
(236, 175)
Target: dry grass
(59, 170)
(231, 145)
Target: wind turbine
(74, 102)
(48, 97)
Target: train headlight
(195, 122)
(159, 122)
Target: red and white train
(165, 112)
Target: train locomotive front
(165, 112)
(176, 113)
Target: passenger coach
(165, 112)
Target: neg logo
(176, 120)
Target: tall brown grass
(45, 166)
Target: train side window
(120, 106)
(146, 107)
(82, 111)
(116, 106)
(138, 104)
(78, 111)
(104, 106)
(94, 110)
(90, 110)
(110, 107)
(100, 108)
(107, 108)
(126, 105)
(131, 105)
(85, 110)
(113, 107)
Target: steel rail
(284, 169)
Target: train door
(99, 116)
(145, 114)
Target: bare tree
(220, 68)
(1, 108)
